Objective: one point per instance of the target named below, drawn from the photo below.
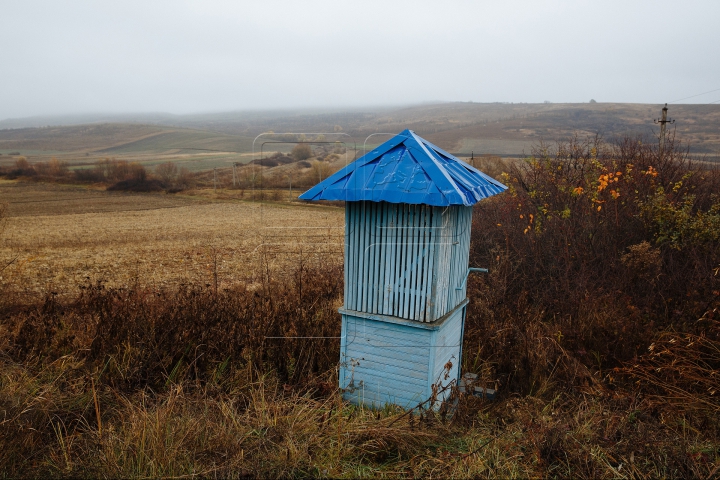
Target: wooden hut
(408, 216)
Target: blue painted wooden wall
(406, 260)
(388, 360)
(405, 300)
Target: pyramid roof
(407, 169)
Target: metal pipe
(471, 269)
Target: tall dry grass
(599, 326)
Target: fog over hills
(463, 127)
(81, 119)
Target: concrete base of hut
(390, 360)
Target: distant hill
(463, 128)
(183, 141)
(82, 119)
(147, 144)
(77, 138)
(514, 128)
(118, 138)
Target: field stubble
(62, 236)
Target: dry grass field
(63, 236)
(197, 333)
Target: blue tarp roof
(407, 169)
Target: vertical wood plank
(382, 246)
(412, 257)
(343, 351)
(390, 262)
(352, 275)
(430, 286)
(442, 266)
(352, 247)
(453, 262)
(431, 362)
(364, 255)
(377, 286)
(400, 245)
(358, 260)
(453, 259)
(415, 267)
(426, 275)
(420, 263)
(465, 251)
(370, 255)
(407, 254)
(346, 257)
(360, 250)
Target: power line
(695, 107)
(693, 96)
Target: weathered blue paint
(407, 242)
(405, 300)
(408, 260)
(407, 169)
(385, 359)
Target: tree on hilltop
(302, 151)
(167, 172)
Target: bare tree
(250, 175)
(320, 170)
(185, 179)
(167, 172)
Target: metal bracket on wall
(471, 269)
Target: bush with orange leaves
(595, 251)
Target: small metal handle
(471, 269)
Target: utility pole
(234, 174)
(214, 179)
(664, 120)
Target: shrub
(90, 175)
(273, 160)
(137, 185)
(319, 171)
(54, 168)
(167, 172)
(120, 170)
(22, 169)
(57, 168)
(115, 170)
(185, 180)
(594, 249)
(22, 164)
(137, 172)
(158, 329)
(302, 151)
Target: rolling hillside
(147, 144)
(212, 140)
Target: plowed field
(59, 236)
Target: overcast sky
(64, 57)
